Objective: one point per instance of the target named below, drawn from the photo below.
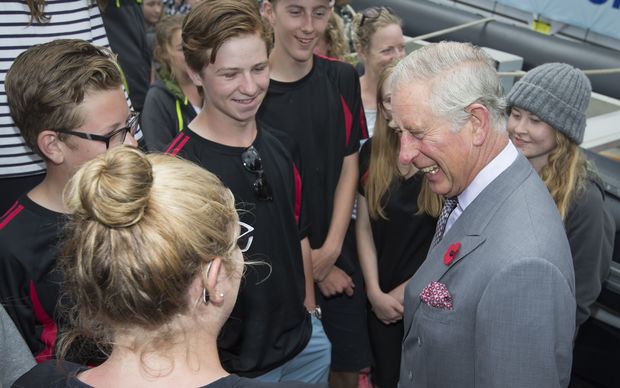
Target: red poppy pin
(450, 254)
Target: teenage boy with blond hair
(66, 97)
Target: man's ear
(480, 123)
(268, 12)
(50, 146)
(194, 76)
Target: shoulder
(52, 373)
(341, 74)
(159, 91)
(243, 382)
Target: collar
(487, 175)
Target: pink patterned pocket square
(437, 295)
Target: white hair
(458, 75)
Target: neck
(191, 92)
(283, 68)
(538, 162)
(191, 361)
(217, 127)
(368, 84)
(48, 193)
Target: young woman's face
(532, 136)
(386, 45)
(175, 55)
(152, 10)
(386, 98)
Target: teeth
(434, 169)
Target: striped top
(71, 19)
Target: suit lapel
(468, 230)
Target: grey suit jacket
(513, 291)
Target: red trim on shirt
(348, 118)
(177, 144)
(48, 335)
(297, 193)
(364, 178)
(328, 58)
(11, 213)
(363, 124)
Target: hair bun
(114, 188)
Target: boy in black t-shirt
(270, 335)
(316, 101)
(67, 99)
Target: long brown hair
(565, 173)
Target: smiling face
(386, 45)
(445, 157)
(297, 26)
(236, 83)
(532, 136)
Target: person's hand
(386, 307)
(323, 260)
(398, 293)
(336, 282)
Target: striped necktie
(448, 206)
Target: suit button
(410, 375)
(419, 341)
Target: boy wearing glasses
(317, 102)
(67, 100)
(270, 335)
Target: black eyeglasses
(115, 138)
(374, 12)
(253, 163)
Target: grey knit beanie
(558, 94)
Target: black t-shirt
(269, 324)
(29, 281)
(323, 114)
(402, 241)
(63, 374)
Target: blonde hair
(337, 45)
(383, 166)
(565, 173)
(142, 227)
(164, 32)
(365, 27)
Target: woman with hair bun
(152, 269)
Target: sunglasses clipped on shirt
(114, 138)
(253, 163)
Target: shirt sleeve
(352, 109)
(590, 232)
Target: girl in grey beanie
(547, 122)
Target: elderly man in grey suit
(493, 305)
